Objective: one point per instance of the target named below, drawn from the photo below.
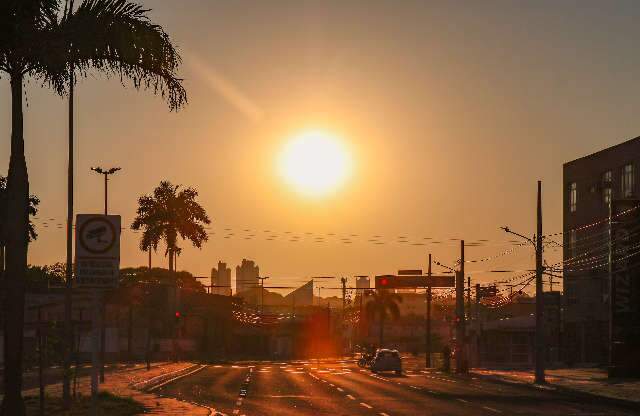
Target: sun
(315, 163)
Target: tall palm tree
(52, 41)
(170, 213)
(34, 201)
(381, 305)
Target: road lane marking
(491, 409)
(366, 405)
(383, 414)
(351, 397)
(462, 400)
(339, 389)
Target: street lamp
(537, 244)
(106, 173)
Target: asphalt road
(341, 388)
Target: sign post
(97, 268)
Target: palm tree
(34, 201)
(44, 40)
(383, 303)
(170, 213)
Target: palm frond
(117, 38)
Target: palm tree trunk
(68, 296)
(170, 260)
(17, 223)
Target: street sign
(412, 282)
(410, 272)
(97, 250)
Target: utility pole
(537, 244)
(469, 296)
(477, 317)
(461, 364)
(262, 279)
(427, 332)
(343, 280)
(539, 377)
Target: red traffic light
(178, 314)
(384, 281)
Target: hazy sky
(452, 111)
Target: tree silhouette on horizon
(383, 304)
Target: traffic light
(385, 282)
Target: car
(386, 360)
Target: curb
(630, 404)
(146, 384)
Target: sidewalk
(121, 384)
(592, 381)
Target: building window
(573, 239)
(573, 197)
(627, 180)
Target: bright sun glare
(314, 163)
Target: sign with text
(97, 250)
(413, 282)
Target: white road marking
(462, 400)
(339, 389)
(415, 387)
(383, 414)
(491, 409)
(366, 405)
(351, 397)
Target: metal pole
(611, 288)
(460, 327)
(477, 316)
(40, 362)
(539, 376)
(95, 351)
(428, 320)
(106, 179)
(66, 374)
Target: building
(221, 280)
(302, 296)
(362, 283)
(593, 184)
(247, 274)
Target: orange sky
(452, 112)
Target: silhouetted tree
(170, 213)
(33, 211)
(44, 40)
(381, 305)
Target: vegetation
(170, 213)
(381, 305)
(183, 279)
(51, 40)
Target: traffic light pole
(427, 335)
(539, 377)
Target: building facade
(221, 280)
(591, 185)
(247, 274)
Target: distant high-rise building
(362, 283)
(221, 280)
(247, 275)
(302, 296)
